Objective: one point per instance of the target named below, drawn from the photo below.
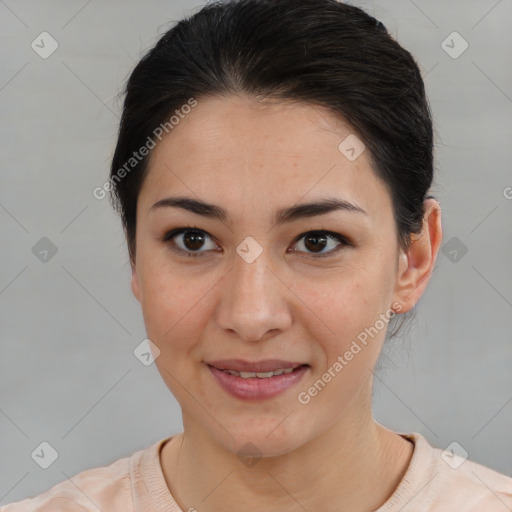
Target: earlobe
(417, 263)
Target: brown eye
(193, 240)
(315, 242)
(190, 242)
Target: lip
(240, 365)
(255, 388)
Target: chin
(264, 440)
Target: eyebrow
(312, 209)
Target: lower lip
(255, 388)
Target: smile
(259, 380)
(260, 375)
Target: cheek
(173, 304)
(347, 292)
(175, 315)
(342, 307)
(340, 316)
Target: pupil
(317, 242)
(193, 240)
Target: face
(257, 278)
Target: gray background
(69, 325)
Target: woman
(272, 174)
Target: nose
(253, 301)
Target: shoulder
(99, 488)
(442, 481)
(472, 485)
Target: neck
(354, 465)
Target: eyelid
(178, 231)
(169, 235)
(343, 241)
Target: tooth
(264, 375)
(247, 375)
(260, 375)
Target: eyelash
(191, 254)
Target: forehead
(263, 153)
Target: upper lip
(241, 365)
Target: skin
(253, 158)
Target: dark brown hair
(321, 52)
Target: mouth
(259, 369)
(260, 375)
(257, 380)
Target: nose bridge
(252, 279)
(251, 283)
(252, 302)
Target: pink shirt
(136, 484)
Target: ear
(135, 281)
(416, 265)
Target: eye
(315, 242)
(190, 241)
(194, 242)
